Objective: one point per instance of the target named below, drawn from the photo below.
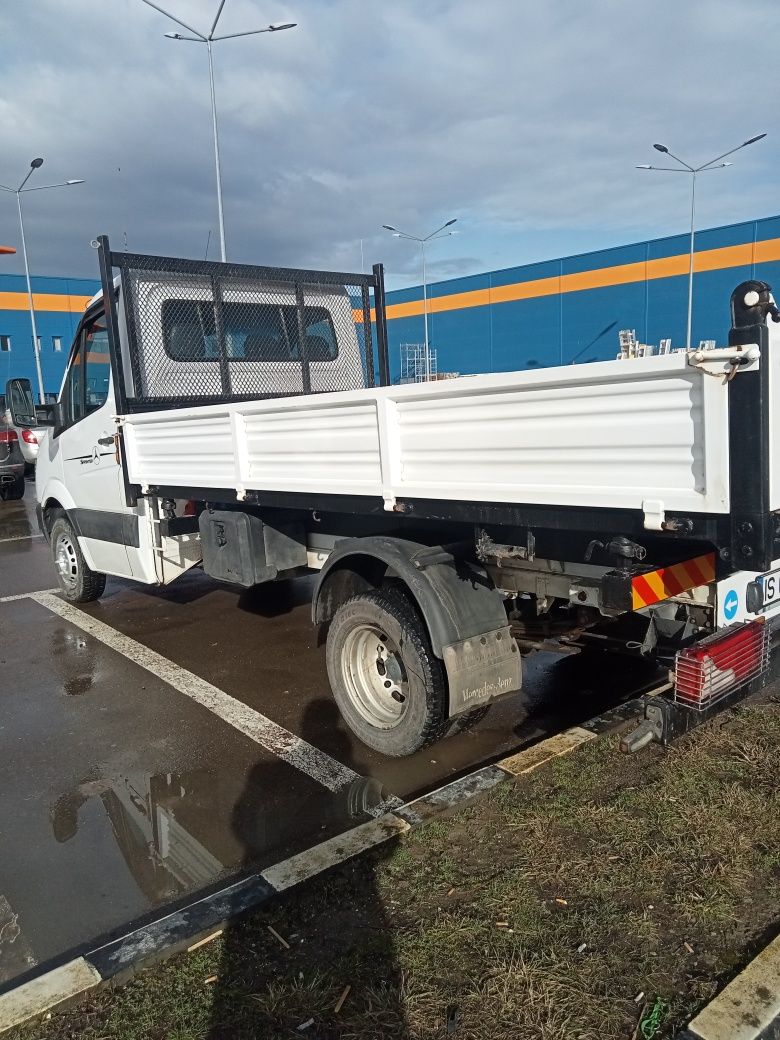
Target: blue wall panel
(582, 324)
(19, 362)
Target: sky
(524, 121)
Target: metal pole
(216, 156)
(690, 262)
(425, 312)
(36, 351)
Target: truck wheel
(79, 583)
(388, 684)
(15, 491)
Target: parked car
(12, 464)
(25, 425)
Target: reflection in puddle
(148, 816)
(178, 832)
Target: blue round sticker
(730, 604)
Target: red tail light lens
(189, 509)
(720, 664)
(29, 437)
(8, 436)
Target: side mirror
(19, 402)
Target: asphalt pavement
(161, 741)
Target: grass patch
(543, 911)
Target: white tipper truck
(241, 419)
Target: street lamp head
(278, 26)
(644, 166)
(173, 36)
(754, 139)
(388, 227)
(450, 222)
(660, 148)
(79, 180)
(36, 163)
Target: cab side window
(87, 382)
(97, 365)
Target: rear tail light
(8, 436)
(189, 509)
(29, 437)
(719, 665)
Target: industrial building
(59, 304)
(572, 309)
(556, 312)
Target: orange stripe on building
(17, 301)
(661, 584)
(622, 274)
(719, 259)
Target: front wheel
(78, 582)
(388, 684)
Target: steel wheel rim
(375, 676)
(66, 561)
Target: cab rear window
(265, 332)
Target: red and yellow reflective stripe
(659, 585)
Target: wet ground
(127, 782)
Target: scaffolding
(418, 363)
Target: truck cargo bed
(650, 434)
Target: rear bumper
(11, 472)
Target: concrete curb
(204, 918)
(748, 1008)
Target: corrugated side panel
(614, 434)
(328, 448)
(616, 442)
(189, 450)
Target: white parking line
(274, 738)
(25, 595)
(20, 538)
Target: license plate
(770, 583)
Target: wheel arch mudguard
(455, 597)
(462, 610)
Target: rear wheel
(78, 582)
(389, 685)
(13, 492)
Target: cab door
(90, 466)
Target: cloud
(525, 121)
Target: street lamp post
(18, 192)
(684, 167)
(208, 39)
(422, 243)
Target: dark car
(11, 464)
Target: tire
(78, 582)
(15, 491)
(378, 647)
